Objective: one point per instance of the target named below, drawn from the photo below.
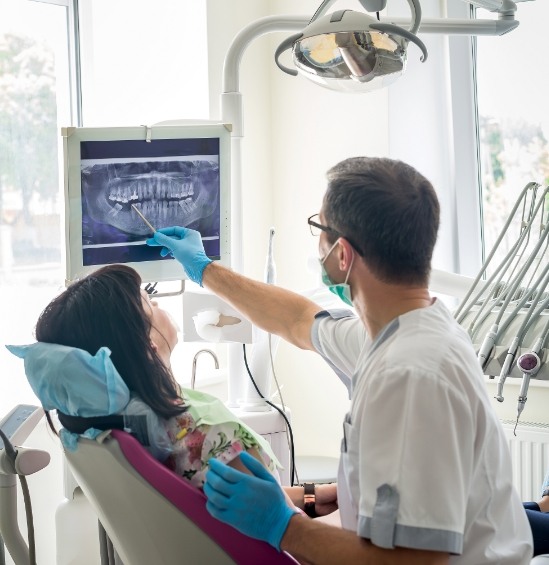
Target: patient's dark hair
(105, 309)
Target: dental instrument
(151, 227)
(514, 299)
(514, 283)
(18, 461)
(529, 364)
(270, 267)
(529, 317)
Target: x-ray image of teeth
(182, 191)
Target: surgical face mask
(343, 290)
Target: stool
(316, 468)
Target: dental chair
(152, 515)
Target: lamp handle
(397, 30)
(284, 46)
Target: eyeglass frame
(328, 229)
(320, 226)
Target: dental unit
(512, 305)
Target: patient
(109, 309)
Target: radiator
(529, 456)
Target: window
(135, 62)
(512, 84)
(478, 129)
(34, 102)
(143, 62)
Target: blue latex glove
(253, 504)
(186, 246)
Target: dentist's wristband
(309, 499)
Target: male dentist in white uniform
(425, 471)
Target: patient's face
(163, 330)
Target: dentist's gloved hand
(186, 246)
(253, 504)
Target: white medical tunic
(424, 463)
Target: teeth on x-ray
(166, 192)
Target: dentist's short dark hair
(389, 211)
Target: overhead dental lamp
(350, 51)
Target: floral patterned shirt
(195, 444)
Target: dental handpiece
(270, 267)
(149, 225)
(529, 364)
(506, 368)
(487, 345)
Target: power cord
(278, 388)
(290, 432)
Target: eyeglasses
(316, 227)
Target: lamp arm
(397, 30)
(485, 27)
(415, 7)
(262, 26)
(321, 10)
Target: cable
(464, 302)
(30, 521)
(292, 450)
(274, 374)
(278, 388)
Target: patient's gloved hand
(186, 246)
(253, 504)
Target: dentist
(425, 471)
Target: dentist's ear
(345, 254)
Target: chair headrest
(73, 381)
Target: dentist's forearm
(320, 544)
(271, 308)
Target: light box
(174, 175)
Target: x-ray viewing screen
(177, 178)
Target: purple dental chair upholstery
(152, 515)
